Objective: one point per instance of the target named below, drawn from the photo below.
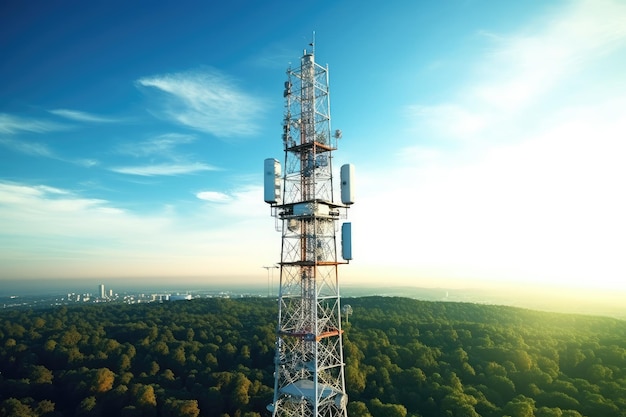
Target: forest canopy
(404, 358)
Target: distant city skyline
(487, 139)
(594, 302)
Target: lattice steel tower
(309, 365)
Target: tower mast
(309, 365)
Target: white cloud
(207, 101)
(28, 148)
(13, 124)
(244, 203)
(86, 162)
(448, 119)
(525, 66)
(46, 231)
(164, 169)
(213, 196)
(161, 145)
(548, 209)
(43, 150)
(20, 201)
(81, 116)
(537, 198)
(523, 71)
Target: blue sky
(487, 138)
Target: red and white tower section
(309, 364)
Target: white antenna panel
(347, 192)
(271, 190)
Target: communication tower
(309, 377)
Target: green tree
(180, 408)
(103, 380)
(520, 406)
(522, 360)
(358, 409)
(387, 410)
(571, 413)
(50, 345)
(13, 407)
(144, 396)
(239, 391)
(168, 375)
(124, 363)
(178, 355)
(154, 368)
(39, 374)
(548, 412)
(88, 407)
(355, 379)
(44, 407)
(460, 405)
(190, 335)
(71, 337)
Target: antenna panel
(346, 241)
(271, 191)
(347, 192)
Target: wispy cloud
(531, 195)
(214, 196)
(11, 124)
(161, 145)
(81, 116)
(42, 150)
(40, 213)
(28, 148)
(164, 148)
(208, 101)
(71, 235)
(164, 169)
(86, 162)
(448, 119)
(524, 66)
(56, 199)
(241, 204)
(522, 69)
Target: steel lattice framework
(309, 373)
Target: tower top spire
(312, 45)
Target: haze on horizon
(487, 137)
